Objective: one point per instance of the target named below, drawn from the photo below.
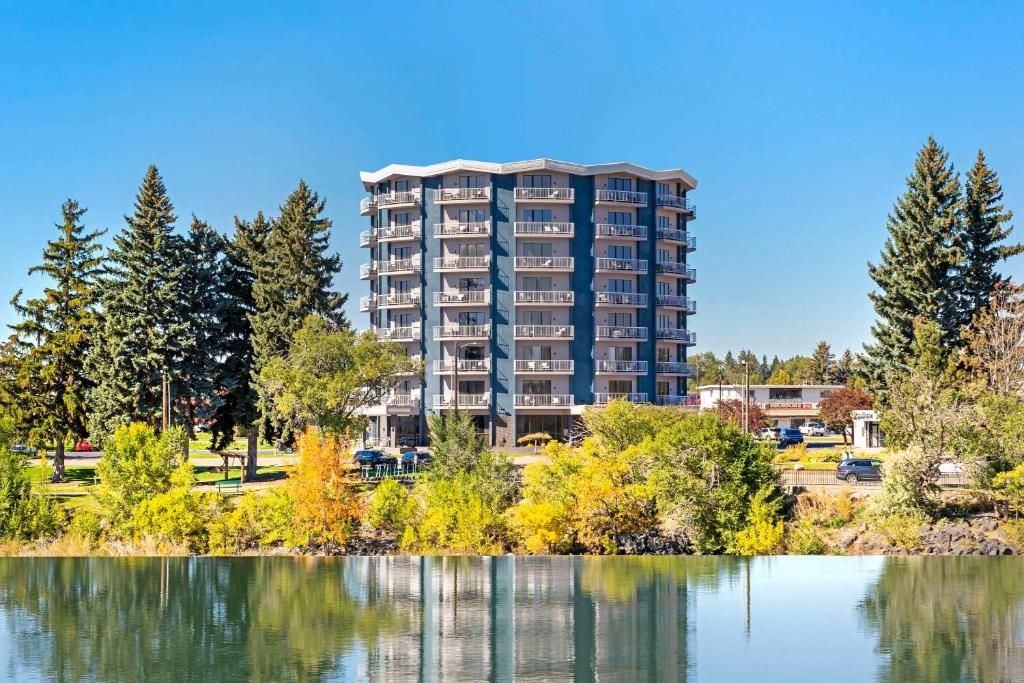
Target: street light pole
(746, 395)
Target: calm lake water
(478, 619)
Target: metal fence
(828, 478)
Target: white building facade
(786, 405)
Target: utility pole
(746, 395)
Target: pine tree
(764, 371)
(985, 231)
(823, 364)
(845, 367)
(915, 274)
(141, 336)
(775, 365)
(54, 337)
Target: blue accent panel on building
(583, 318)
(430, 282)
(683, 350)
(647, 350)
(503, 378)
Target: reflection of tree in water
(187, 619)
(948, 619)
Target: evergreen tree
(141, 335)
(764, 371)
(915, 274)
(985, 231)
(729, 367)
(823, 364)
(775, 365)
(845, 368)
(54, 337)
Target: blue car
(415, 458)
(853, 470)
(790, 437)
(374, 457)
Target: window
(535, 352)
(542, 249)
(825, 393)
(401, 319)
(471, 284)
(620, 386)
(663, 389)
(664, 188)
(620, 217)
(399, 253)
(784, 394)
(535, 317)
(471, 386)
(402, 286)
(401, 219)
(663, 355)
(663, 288)
(533, 283)
(537, 215)
(620, 184)
(622, 286)
(620, 319)
(664, 322)
(471, 352)
(475, 181)
(474, 249)
(402, 186)
(664, 255)
(536, 181)
(471, 216)
(620, 251)
(620, 353)
(537, 386)
(663, 223)
(472, 317)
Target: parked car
(853, 470)
(768, 433)
(83, 446)
(813, 429)
(374, 457)
(414, 457)
(22, 449)
(790, 437)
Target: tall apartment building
(529, 290)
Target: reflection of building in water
(541, 618)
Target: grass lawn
(203, 444)
(807, 465)
(204, 475)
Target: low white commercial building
(786, 405)
(867, 432)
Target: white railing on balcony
(398, 198)
(401, 400)
(462, 194)
(617, 332)
(399, 265)
(444, 367)
(411, 333)
(673, 400)
(544, 263)
(677, 334)
(615, 230)
(462, 262)
(456, 229)
(481, 296)
(462, 331)
(632, 367)
(550, 297)
(367, 270)
(547, 229)
(540, 194)
(545, 366)
(397, 299)
(674, 368)
(605, 398)
(543, 400)
(400, 232)
(622, 196)
(620, 299)
(367, 204)
(368, 303)
(621, 264)
(368, 238)
(465, 400)
(544, 331)
(671, 267)
(671, 201)
(675, 301)
(672, 235)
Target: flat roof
(370, 178)
(774, 386)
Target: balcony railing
(674, 268)
(398, 299)
(404, 265)
(402, 400)
(670, 400)
(462, 194)
(672, 201)
(468, 229)
(627, 367)
(616, 231)
(676, 334)
(621, 197)
(545, 194)
(617, 332)
(368, 238)
(621, 299)
(445, 367)
(481, 296)
(545, 366)
(544, 331)
(674, 368)
(462, 331)
(546, 229)
(544, 263)
(671, 235)
(676, 301)
(411, 333)
(447, 263)
(400, 232)
(368, 270)
(465, 400)
(368, 303)
(605, 398)
(621, 264)
(399, 198)
(543, 400)
(366, 205)
(546, 297)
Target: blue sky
(800, 120)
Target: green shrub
(260, 522)
(24, 514)
(391, 508)
(804, 538)
(178, 516)
(764, 531)
(902, 531)
(457, 518)
(86, 525)
(136, 465)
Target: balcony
(543, 331)
(618, 265)
(399, 299)
(678, 335)
(449, 195)
(368, 238)
(402, 400)
(456, 332)
(546, 367)
(622, 367)
(603, 399)
(444, 264)
(368, 270)
(411, 333)
(368, 304)
(674, 368)
(683, 303)
(556, 263)
(395, 200)
(676, 268)
(670, 400)
(679, 236)
(404, 266)
(552, 297)
(464, 230)
(465, 401)
(631, 299)
(480, 297)
(394, 233)
(616, 332)
(673, 202)
(467, 366)
(621, 197)
(560, 195)
(544, 229)
(543, 400)
(620, 232)
(367, 205)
